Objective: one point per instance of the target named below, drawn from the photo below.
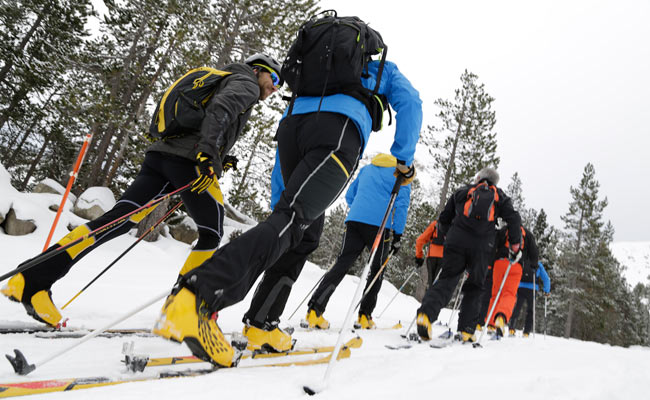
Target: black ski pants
(434, 265)
(159, 174)
(318, 154)
(457, 260)
(357, 237)
(524, 297)
(273, 291)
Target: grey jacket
(225, 117)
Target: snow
(96, 195)
(635, 256)
(535, 368)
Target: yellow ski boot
(40, 306)
(180, 321)
(364, 322)
(424, 326)
(273, 340)
(313, 320)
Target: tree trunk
(450, 167)
(9, 62)
(15, 100)
(36, 161)
(151, 219)
(573, 281)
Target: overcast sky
(571, 81)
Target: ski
(304, 327)
(138, 363)
(63, 385)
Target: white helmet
(265, 60)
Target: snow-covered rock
(48, 185)
(94, 202)
(17, 227)
(186, 231)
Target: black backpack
(182, 106)
(330, 55)
(480, 203)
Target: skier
(508, 297)
(319, 144)
(469, 222)
(367, 198)
(199, 156)
(525, 295)
(435, 239)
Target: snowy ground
(535, 368)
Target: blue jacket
(403, 98)
(369, 195)
(540, 274)
(277, 183)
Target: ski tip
(20, 364)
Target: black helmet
(265, 61)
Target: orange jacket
(430, 235)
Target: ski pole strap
(46, 256)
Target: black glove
(229, 162)
(419, 261)
(407, 173)
(395, 245)
(206, 173)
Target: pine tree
(471, 143)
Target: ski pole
(377, 275)
(534, 304)
(308, 294)
(545, 298)
(46, 256)
(147, 232)
(73, 177)
(398, 292)
(449, 334)
(22, 367)
(496, 299)
(357, 294)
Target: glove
(407, 173)
(514, 252)
(395, 245)
(229, 162)
(206, 173)
(419, 261)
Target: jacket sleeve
(423, 239)
(532, 252)
(237, 94)
(405, 100)
(546, 281)
(508, 213)
(447, 215)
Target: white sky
(571, 81)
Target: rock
(186, 231)
(17, 227)
(51, 186)
(94, 202)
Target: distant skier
(435, 239)
(367, 197)
(470, 213)
(504, 256)
(529, 281)
(197, 156)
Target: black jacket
(530, 253)
(226, 115)
(470, 233)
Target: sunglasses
(274, 75)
